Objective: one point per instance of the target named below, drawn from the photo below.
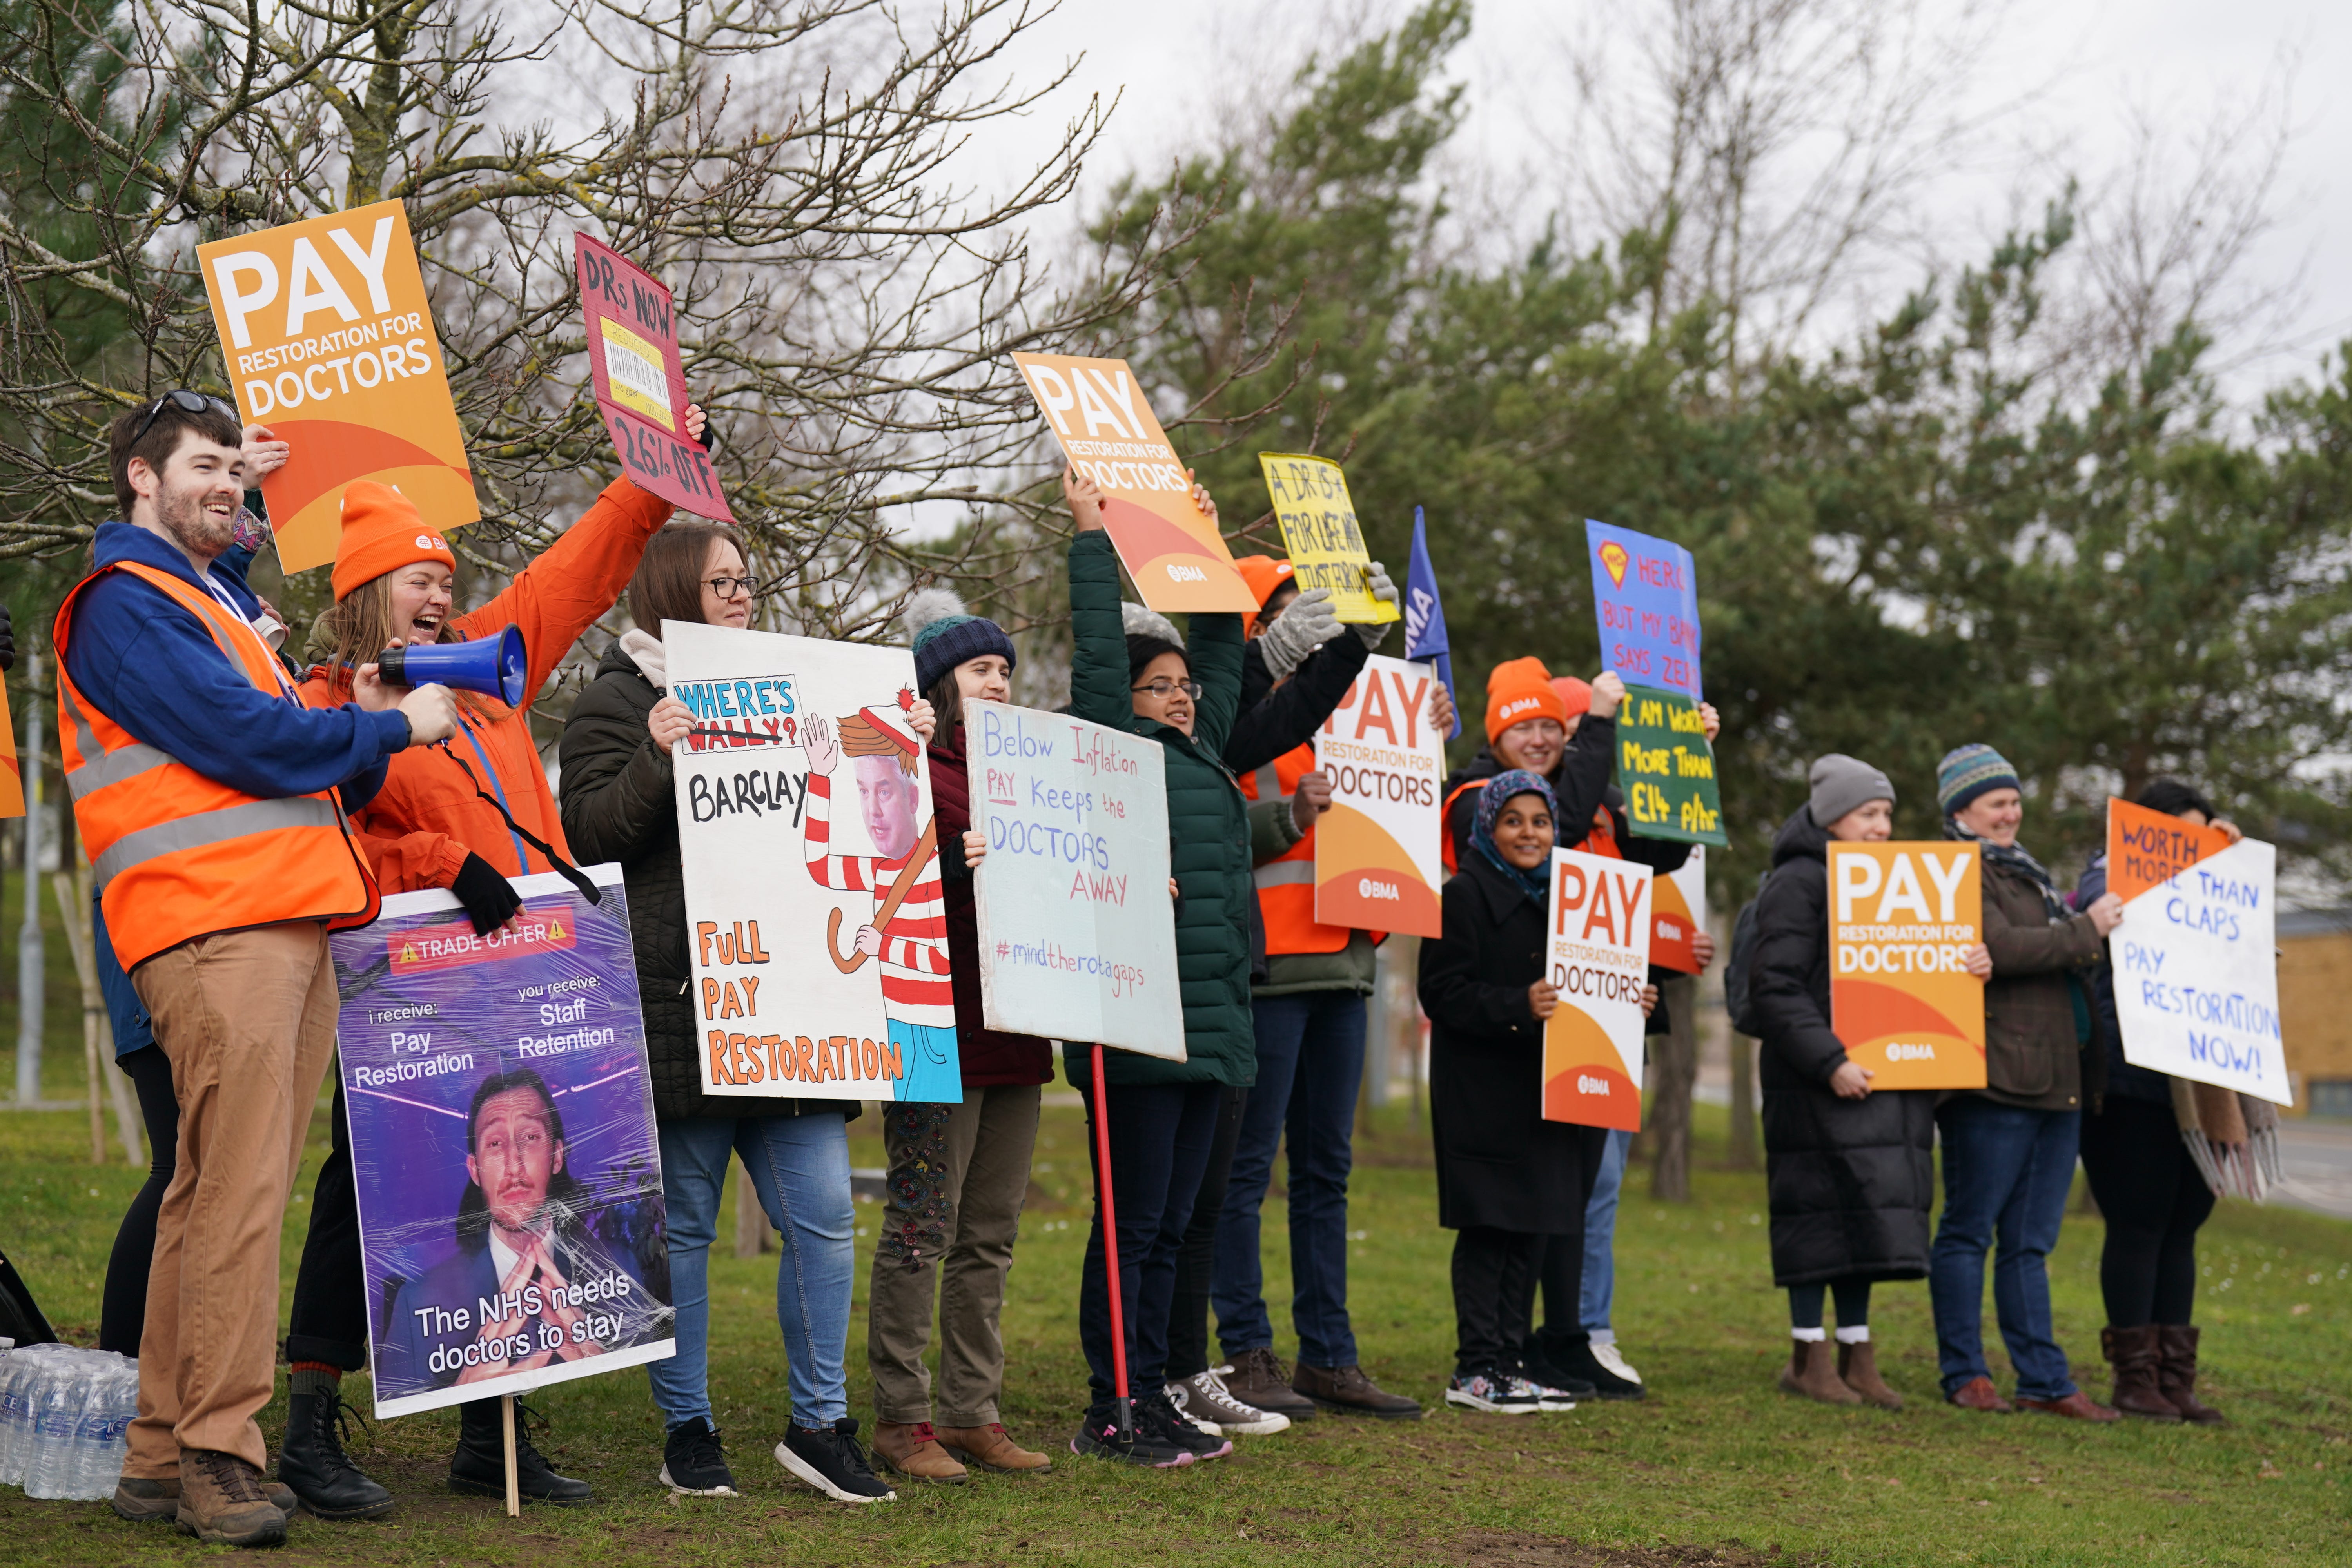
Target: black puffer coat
(1851, 1180)
(619, 800)
(1499, 1163)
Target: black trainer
(1156, 1412)
(478, 1467)
(693, 1464)
(828, 1458)
(1560, 1390)
(1098, 1437)
(312, 1463)
(1575, 1359)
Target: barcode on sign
(637, 372)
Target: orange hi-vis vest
(177, 854)
(1285, 885)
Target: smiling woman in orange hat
(465, 816)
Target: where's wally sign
(814, 923)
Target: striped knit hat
(1968, 772)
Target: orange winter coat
(419, 829)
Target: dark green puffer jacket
(1208, 827)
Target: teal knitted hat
(1968, 772)
(945, 636)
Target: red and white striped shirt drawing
(914, 956)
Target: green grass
(1715, 1467)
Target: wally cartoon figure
(908, 933)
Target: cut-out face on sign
(886, 801)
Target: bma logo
(430, 541)
(1368, 888)
(1585, 1085)
(1186, 573)
(1900, 1052)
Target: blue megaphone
(493, 665)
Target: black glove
(489, 899)
(7, 642)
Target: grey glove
(1306, 624)
(1376, 578)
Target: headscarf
(2016, 858)
(1491, 800)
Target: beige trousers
(958, 1176)
(248, 1019)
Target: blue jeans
(1310, 1059)
(1159, 1138)
(800, 1168)
(1599, 1291)
(2006, 1174)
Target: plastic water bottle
(54, 1415)
(102, 1439)
(13, 1365)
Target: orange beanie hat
(383, 532)
(1576, 694)
(1264, 574)
(1518, 689)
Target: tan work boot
(144, 1502)
(1810, 1373)
(1857, 1368)
(222, 1501)
(912, 1449)
(991, 1447)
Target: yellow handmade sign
(330, 342)
(1318, 529)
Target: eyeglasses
(180, 396)
(1163, 688)
(725, 586)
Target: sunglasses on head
(181, 397)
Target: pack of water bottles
(64, 1414)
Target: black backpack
(1734, 971)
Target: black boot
(312, 1462)
(480, 1465)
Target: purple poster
(502, 1139)
(1645, 596)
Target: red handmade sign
(641, 381)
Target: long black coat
(1851, 1180)
(619, 799)
(1499, 1163)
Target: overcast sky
(2175, 58)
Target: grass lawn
(1715, 1467)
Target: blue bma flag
(1425, 618)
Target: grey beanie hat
(1841, 782)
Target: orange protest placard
(330, 343)
(1902, 919)
(12, 783)
(1107, 429)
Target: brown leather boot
(2134, 1353)
(991, 1447)
(1857, 1368)
(2177, 1374)
(221, 1500)
(1978, 1393)
(1810, 1371)
(1347, 1390)
(912, 1449)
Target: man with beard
(520, 1240)
(211, 804)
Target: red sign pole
(1124, 1405)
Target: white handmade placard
(1077, 933)
(815, 927)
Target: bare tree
(1773, 150)
(847, 302)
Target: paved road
(2318, 1160)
